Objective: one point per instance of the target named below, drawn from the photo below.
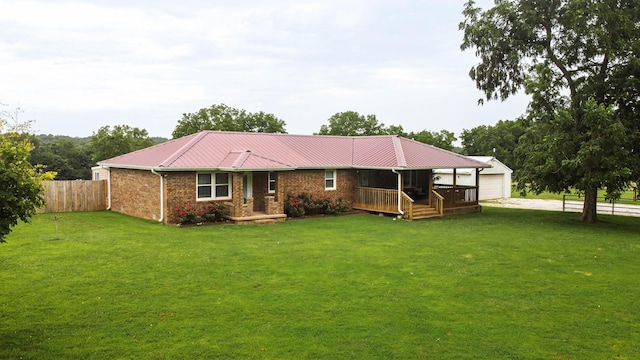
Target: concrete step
(265, 221)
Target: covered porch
(255, 198)
(413, 195)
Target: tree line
(72, 157)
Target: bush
(307, 204)
(210, 212)
(337, 206)
(186, 214)
(294, 206)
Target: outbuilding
(494, 182)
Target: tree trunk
(589, 209)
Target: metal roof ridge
(242, 157)
(173, 157)
(397, 147)
(273, 160)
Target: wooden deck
(457, 196)
(386, 201)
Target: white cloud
(150, 61)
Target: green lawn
(504, 284)
(627, 197)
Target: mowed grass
(503, 284)
(627, 196)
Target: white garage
(494, 182)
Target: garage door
(491, 186)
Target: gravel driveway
(556, 205)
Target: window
(272, 182)
(330, 180)
(213, 186)
(223, 186)
(96, 175)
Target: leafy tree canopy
(443, 139)
(21, 190)
(49, 138)
(107, 143)
(499, 140)
(64, 156)
(224, 118)
(351, 123)
(578, 60)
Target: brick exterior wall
(179, 190)
(312, 182)
(135, 193)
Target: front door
(247, 185)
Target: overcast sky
(74, 66)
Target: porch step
(424, 212)
(265, 221)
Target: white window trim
(335, 179)
(269, 181)
(213, 187)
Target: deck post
(399, 191)
(477, 184)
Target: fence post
(564, 198)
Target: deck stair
(424, 212)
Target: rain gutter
(153, 171)
(399, 191)
(108, 186)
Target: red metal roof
(264, 151)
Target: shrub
(337, 206)
(294, 206)
(307, 204)
(186, 215)
(210, 212)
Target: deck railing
(374, 199)
(437, 201)
(460, 196)
(407, 206)
(386, 200)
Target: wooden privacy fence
(74, 195)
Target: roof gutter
(108, 186)
(399, 191)
(187, 169)
(153, 171)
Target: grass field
(627, 197)
(503, 284)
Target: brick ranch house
(254, 172)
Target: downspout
(153, 171)
(399, 191)
(108, 186)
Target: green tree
(570, 57)
(443, 139)
(107, 143)
(499, 140)
(21, 190)
(64, 156)
(351, 123)
(224, 118)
